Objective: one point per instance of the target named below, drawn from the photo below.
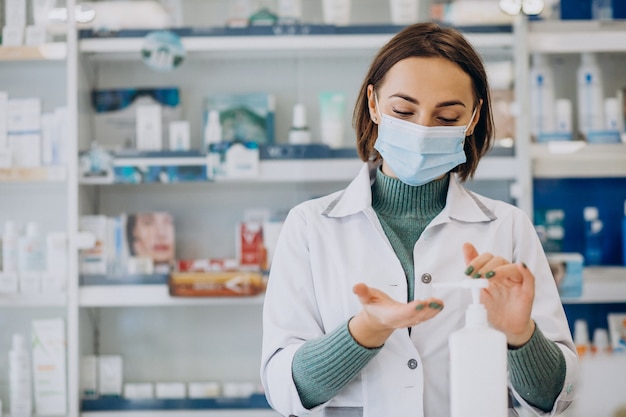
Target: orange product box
(218, 283)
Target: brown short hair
(428, 40)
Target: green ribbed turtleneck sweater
(323, 366)
(404, 212)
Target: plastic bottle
(299, 134)
(213, 129)
(478, 361)
(31, 252)
(593, 236)
(9, 248)
(581, 337)
(601, 345)
(590, 95)
(542, 97)
(20, 387)
(564, 125)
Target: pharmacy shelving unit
(219, 339)
(46, 195)
(578, 159)
(604, 287)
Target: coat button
(412, 364)
(426, 278)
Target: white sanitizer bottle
(542, 97)
(590, 95)
(20, 396)
(478, 361)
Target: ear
(371, 104)
(476, 118)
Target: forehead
(432, 79)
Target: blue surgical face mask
(419, 154)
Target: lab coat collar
(461, 204)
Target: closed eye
(403, 113)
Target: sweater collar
(392, 197)
(461, 204)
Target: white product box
(179, 135)
(148, 127)
(56, 253)
(53, 282)
(4, 115)
(89, 376)
(25, 150)
(94, 260)
(30, 282)
(24, 115)
(204, 389)
(110, 375)
(9, 282)
(49, 366)
(171, 390)
(15, 13)
(139, 390)
(12, 35)
(238, 389)
(6, 158)
(35, 35)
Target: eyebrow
(415, 101)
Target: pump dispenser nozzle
(476, 315)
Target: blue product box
(567, 270)
(576, 9)
(247, 117)
(115, 113)
(159, 167)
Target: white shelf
(183, 413)
(601, 285)
(319, 170)
(33, 300)
(40, 174)
(577, 36)
(578, 160)
(55, 51)
(151, 296)
(261, 45)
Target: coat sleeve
(290, 314)
(547, 311)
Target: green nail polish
(476, 275)
(489, 274)
(524, 265)
(435, 306)
(419, 307)
(469, 270)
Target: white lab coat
(329, 244)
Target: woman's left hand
(509, 297)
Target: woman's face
(427, 91)
(153, 237)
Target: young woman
(352, 324)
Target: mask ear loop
(467, 126)
(380, 114)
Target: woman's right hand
(381, 315)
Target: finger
(505, 278)
(428, 304)
(476, 268)
(488, 270)
(469, 252)
(363, 292)
(528, 278)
